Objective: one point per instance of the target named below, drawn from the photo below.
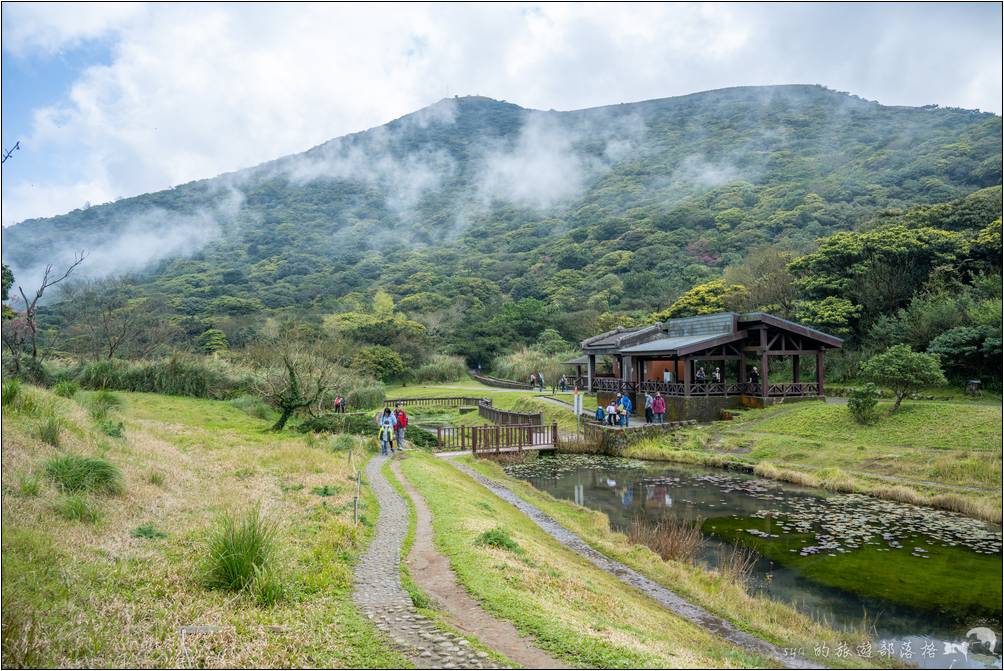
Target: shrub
(358, 424)
(33, 371)
(442, 368)
(862, 404)
(326, 490)
(101, 403)
(342, 443)
(903, 370)
(66, 388)
(499, 538)
(253, 406)
(378, 361)
(520, 364)
(421, 438)
(155, 478)
(366, 396)
(148, 531)
(239, 548)
(74, 473)
(10, 392)
(49, 430)
(111, 428)
(77, 508)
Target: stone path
(380, 596)
(662, 595)
(431, 571)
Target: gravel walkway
(664, 596)
(380, 596)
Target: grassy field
(768, 619)
(107, 578)
(939, 453)
(572, 609)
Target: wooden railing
(615, 385)
(498, 382)
(446, 401)
(507, 417)
(496, 438)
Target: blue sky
(113, 100)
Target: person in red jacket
(402, 424)
(659, 408)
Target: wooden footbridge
(509, 431)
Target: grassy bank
(569, 607)
(768, 619)
(114, 588)
(942, 454)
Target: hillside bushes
(359, 424)
(442, 368)
(178, 375)
(520, 364)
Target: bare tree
(297, 379)
(103, 320)
(22, 332)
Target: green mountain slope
(476, 201)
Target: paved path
(662, 595)
(380, 596)
(431, 571)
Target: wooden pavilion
(669, 358)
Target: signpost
(577, 408)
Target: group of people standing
(391, 429)
(617, 412)
(537, 380)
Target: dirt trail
(432, 573)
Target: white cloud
(193, 90)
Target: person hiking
(611, 413)
(659, 408)
(386, 431)
(628, 409)
(755, 376)
(540, 380)
(339, 403)
(716, 375)
(600, 415)
(533, 380)
(622, 413)
(402, 424)
(563, 384)
(701, 377)
(649, 410)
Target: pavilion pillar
(796, 373)
(626, 368)
(819, 372)
(686, 376)
(764, 373)
(590, 371)
(743, 379)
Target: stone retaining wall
(612, 440)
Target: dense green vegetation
(445, 231)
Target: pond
(920, 580)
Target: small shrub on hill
(358, 424)
(77, 508)
(862, 404)
(442, 368)
(421, 438)
(10, 392)
(499, 538)
(49, 430)
(73, 473)
(148, 531)
(342, 443)
(101, 403)
(239, 548)
(367, 396)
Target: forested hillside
(487, 223)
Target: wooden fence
(444, 401)
(508, 417)
(498, 438)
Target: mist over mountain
(613, 208)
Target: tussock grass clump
(671, 539)
(267, 588)
(77, 508)
(66, 389)
(148, 531)
(442, 368)
(326, 490)
(735, 564)
(499, 538)
(49, 430)
(10, 392)
(156, 478)
(29, 485)
(111, 428)
(254, 406)
(239, 548)
(74, 473)
(342, 443)
(101, 403)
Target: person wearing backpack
(402, 424)
(649, 410)
(659, 408)
(600, 415)
(385, 433)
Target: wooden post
(590, 371)
(796, 374)
(463, 445)
(686, 376)
(819, 372)
(764, 373)
(554, 434)
(743, 379)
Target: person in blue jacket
(600, 415)
(628, 407)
